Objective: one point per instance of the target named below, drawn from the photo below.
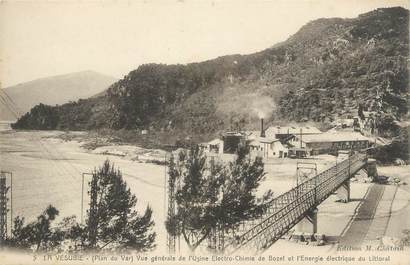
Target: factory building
(288, 141)
(215, 146)
(284, 131)
(329, 143)
(267, 148)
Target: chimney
(262, 129)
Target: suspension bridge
(292, 207)
(296, 207)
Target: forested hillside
(326, 70)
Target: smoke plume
(262, 106)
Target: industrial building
(287, 141)
(215, 146)
(267, 147)
(227, 144)
(284, 131)
(332, 142)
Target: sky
(46, 38)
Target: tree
(40, 117)
(112, 221)
(38, 235)
(387, 126)
(360, 112)
(239, 202)
(196, 199)
(74, 234)
(211, 195)
(397, 149)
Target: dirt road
(357, 230)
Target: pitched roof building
(331, 142)
(274, 131)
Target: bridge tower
(308, 224)
(305, 171)
(343, 192)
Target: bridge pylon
(343, 192)
(371, 168)
(308, 224)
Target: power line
(11, 100)
(15, 106)
(15, 114)
(10, 105)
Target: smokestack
(262, 129)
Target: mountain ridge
(325, 70)
(58, 89)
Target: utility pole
(3, 210)
(92, 222)
(82, 195)
(3, 205)
(165, 186)
(171, 239)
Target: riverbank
(47, 169)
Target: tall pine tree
(112, 222)
(211, 195)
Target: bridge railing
(289, 208)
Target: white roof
(264, 140)
(334, 137)
(215, 141)
(234, 134)
(254, 142)
(253, 134)
(271, 131)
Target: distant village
(350, 133)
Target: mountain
(17, 100)
(326, 70)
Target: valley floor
(48, 170)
